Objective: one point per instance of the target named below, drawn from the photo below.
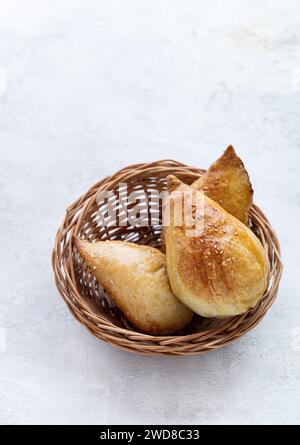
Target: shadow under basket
(89, 302)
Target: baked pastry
(135, 277)
(222, 270)
(227, 183)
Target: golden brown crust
(135, 276)
(173, 183)
(227, 182)
(221, 272)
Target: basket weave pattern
(93, 307)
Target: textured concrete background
(87, 87)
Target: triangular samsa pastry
(135, 277)
(227, 183)
(220, 271)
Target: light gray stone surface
(87, 87)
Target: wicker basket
(90, 304)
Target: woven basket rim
(129, 339)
